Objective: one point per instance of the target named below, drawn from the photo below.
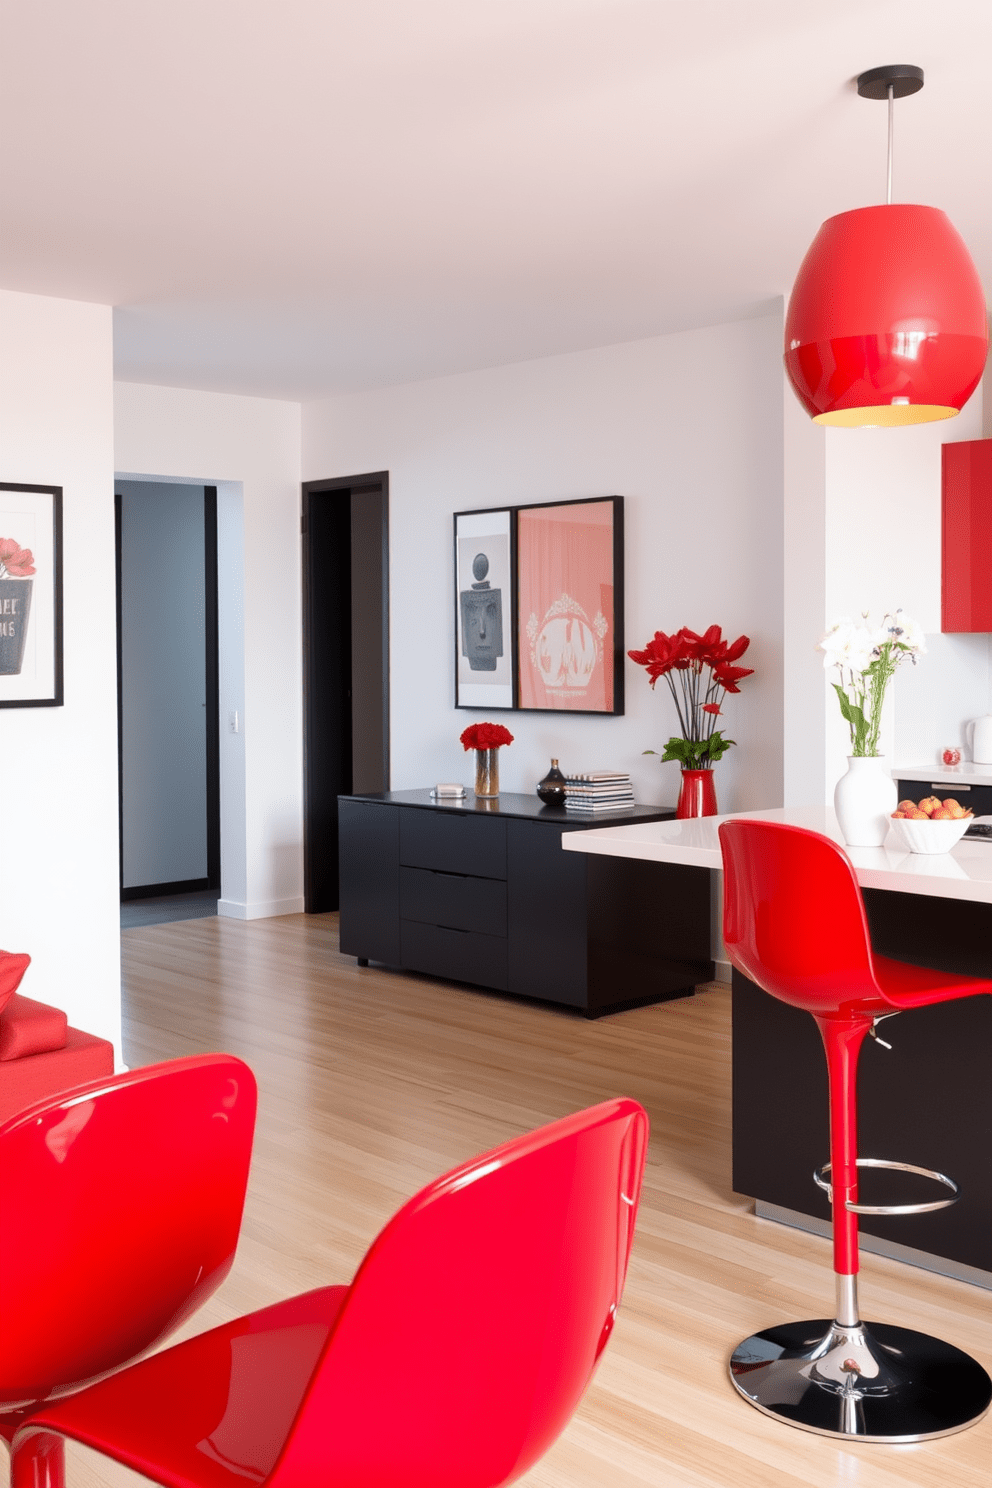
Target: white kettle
(981, 739)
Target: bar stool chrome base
(868, 1381)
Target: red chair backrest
(477, 1316)
(793, 917)
(122, 1203)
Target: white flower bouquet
(867, 659)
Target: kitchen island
(928, 1101)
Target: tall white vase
(864, 800)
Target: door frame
(212, 687)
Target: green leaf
(845, 702)
(681, 750)
(718, 746)
(696, 754)
(854, 717)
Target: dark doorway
(168, 705)
(345, 662)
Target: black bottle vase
(552, 788)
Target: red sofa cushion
(28, 1027)
(13, 965)
(24, 1081)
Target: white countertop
(963, 873)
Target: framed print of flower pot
(570, 606)
(484, 636)
(30, 596)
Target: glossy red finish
(455, 1357)
(122, 1206)
(966, 536)
(697, 796)
(887, 305)
(794, 922)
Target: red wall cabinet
(966, 536)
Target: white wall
(254, 444)
(804, 519)
(59, 862)
(883, 546)
(688, 428)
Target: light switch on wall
(235, 723)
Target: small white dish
(929, 836)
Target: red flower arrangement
(15, 562)
(706, 672)
(486, 736)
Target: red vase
(698, 794)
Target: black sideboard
(480, 892)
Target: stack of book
(598, 790)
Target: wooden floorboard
(372, 1083)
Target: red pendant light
(887, 323)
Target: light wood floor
(373, 1083)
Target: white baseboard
(264, 909)
(722, 972)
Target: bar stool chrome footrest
(820, 1179)
(869, 1381)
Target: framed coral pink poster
(570, 606)
(30, 596)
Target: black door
(346, 663)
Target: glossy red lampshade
(887, 322)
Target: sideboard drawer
(454, 900)
(457, 844)
(461, 955)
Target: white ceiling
(295, 197)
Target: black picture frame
(570, 606)
(485, 609)
(31, 614)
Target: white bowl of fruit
(932, 825)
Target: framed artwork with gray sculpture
(485, 601)
(30, 596)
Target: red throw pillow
(13, 965)
(28, 1027)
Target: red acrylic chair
(453, 1360)
(122, 1202)
(794, 922)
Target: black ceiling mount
(901, 77)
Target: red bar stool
(794, 922)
